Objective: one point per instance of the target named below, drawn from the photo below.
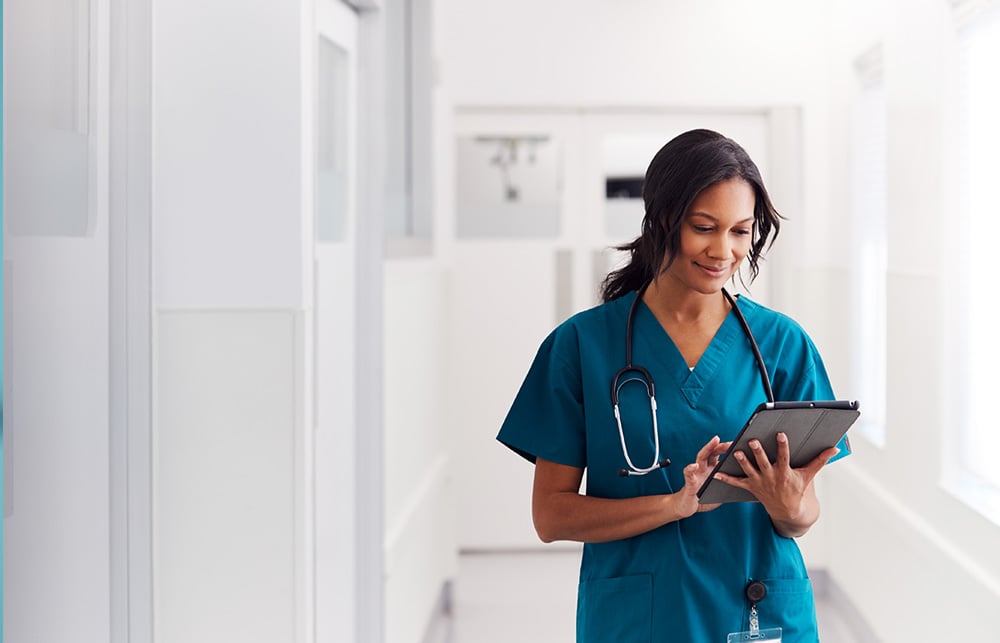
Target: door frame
(130, 320)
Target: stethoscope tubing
(643, 376)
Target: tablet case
(811, 427)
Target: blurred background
(273, 271)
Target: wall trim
(922, 527)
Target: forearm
(571, 516)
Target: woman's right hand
(695, 475)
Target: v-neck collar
(658, 346)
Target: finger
(707, 450)
(760, 456)
(744, 461)
(723, 447)
(733, 481)
(782, 461)
(691, 474)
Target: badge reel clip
(755, 593)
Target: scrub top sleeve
(815, 385)
(546, 418)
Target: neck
(671, 299)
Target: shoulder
(796, 365)
(592, 327)
(772, 323)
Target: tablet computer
(811, 427)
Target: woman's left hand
(786, 493)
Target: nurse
(657, 565)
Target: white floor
(530, 597)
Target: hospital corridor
(337, 321)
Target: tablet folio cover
(811, 427)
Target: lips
(713, 270)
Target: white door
(335, 302)
(533, 231)
(56, 303)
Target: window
(869, 225)
(977, 346)
(408, 219)
(332, 147)
(50, 139)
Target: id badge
(755, 591)
(756, 636)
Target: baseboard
(439, 630)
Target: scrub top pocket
(789, 605)
(615, 609)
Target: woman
(657, 565)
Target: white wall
(896, 529)
(231, 451)
(58, 299)
(419, 461)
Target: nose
(720, 247)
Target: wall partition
(56, 305)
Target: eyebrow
(713, 218)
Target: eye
(703, 228)
(742, 231)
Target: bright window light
(869, 224)
(976, 327)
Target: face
(716, 235)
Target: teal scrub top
(683, 581)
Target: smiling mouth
(713, 269)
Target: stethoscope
(634, 373)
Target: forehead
(732, 199)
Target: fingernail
(754, 444)
(739, 455)
(782, 437)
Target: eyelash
(707, 229)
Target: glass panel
(981, 104)
(507, 187)
(870, 252)
(626, 157)
(331, 143)
(408, 126)
(48, 115)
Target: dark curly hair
(679, 172)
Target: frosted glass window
(625, 159)
(48, 104)
(869, 209)
(408, 126)
(332, 144)
(978, 341)
(508, 186)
